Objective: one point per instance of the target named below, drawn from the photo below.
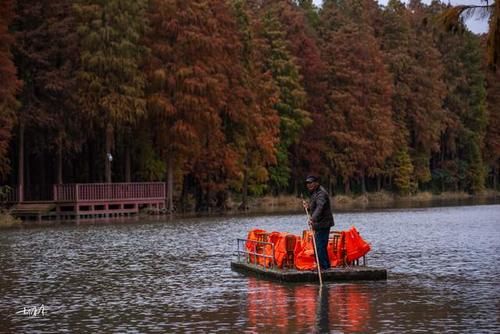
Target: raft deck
(257, 258)
(349, 273)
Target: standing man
(321, 218)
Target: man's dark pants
(321, 237)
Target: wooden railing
(82, 192)
(65, 192)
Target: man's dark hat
(311, 178)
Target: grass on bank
(7, 220)
(382, 198)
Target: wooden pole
(170, 188)
(20, 165)
(108, 158)
(315, 248)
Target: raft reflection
(307, 308)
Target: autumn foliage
(226, 100)
(9, 84)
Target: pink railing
(65, 192)
(81, 192)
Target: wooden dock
(34, 211)
(349, 273)
(92, 200)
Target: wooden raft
(349, 273)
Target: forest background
(230, 99)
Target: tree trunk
(347, 187)
(495, 178)
(20, 167)
(379, 182)
(244, 200)
(184, 193)
(109, 157)
(170, 187)
(128, 176)
(388, 182)
(363, 183)
(59, 162)
(90, 163)
(43, 174)
(208, 200)
(27, 187)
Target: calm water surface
(174, 277)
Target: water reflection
(307, 308)
(174, 277)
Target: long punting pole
(315, 249)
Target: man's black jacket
(320, 208)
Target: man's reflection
(323, 310)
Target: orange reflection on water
(307, 308)
(349, 307)
(267, 305)
(305, 305)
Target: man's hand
(310, 222)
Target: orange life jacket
(279, 241)
(347, 248)
(304, 253)
(355, 246)
(255, 234)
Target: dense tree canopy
(291, 101)
(8, 85)
(47, 56)
(226, 99)
(111, 82)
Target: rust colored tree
(9, 85)
(359, 113)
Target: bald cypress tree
(292, 96)
(47, 55)
(396, 37)
(459, 162)
(492, 147)
(58, 81)
(256, 135)
(35, 116)
(403, 171)
(299, 22)
(425, 115)
(460, 158)
(111, 82)
(208, 99)
(360, 113)
(9, 85)
(311, 12)
(248, 129)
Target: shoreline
(286, 204)
(378, 200)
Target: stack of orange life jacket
(349, 247)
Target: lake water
(174, 277)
